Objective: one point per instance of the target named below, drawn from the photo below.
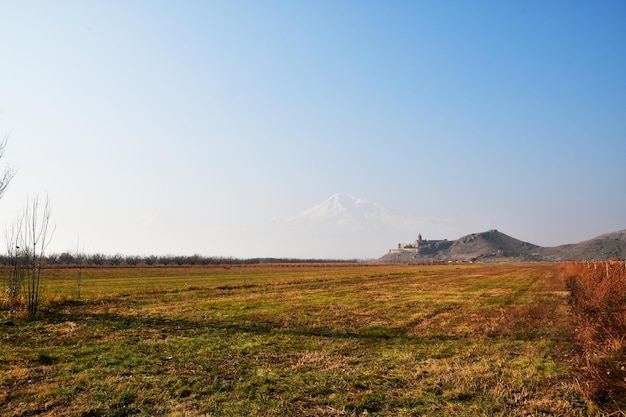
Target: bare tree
(79, 264)
(9, 172)
(14, 280)
(39, 239)
(30, 240)
(14, 238)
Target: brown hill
(494, 246)
(486, 246)
(491, 244)
(603, 247)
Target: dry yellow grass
(336, 340)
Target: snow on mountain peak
(345, 209)
(347, 225)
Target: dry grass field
(297, 340)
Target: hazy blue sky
(200, 126)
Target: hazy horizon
(162, 127)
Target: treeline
(119, 260)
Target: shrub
(598, 307)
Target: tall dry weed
(598, 306)
(11, 303)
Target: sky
(203, 127)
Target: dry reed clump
(11, 306)
(12, 303)
(14, 307)
(598, 307)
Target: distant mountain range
(348, 226)
(494, 246)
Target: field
(296, 340)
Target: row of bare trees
(79, 259)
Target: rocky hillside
(603, 247)
(490, 244)
(494, 246)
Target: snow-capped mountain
(344, 209)
(345, 226)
